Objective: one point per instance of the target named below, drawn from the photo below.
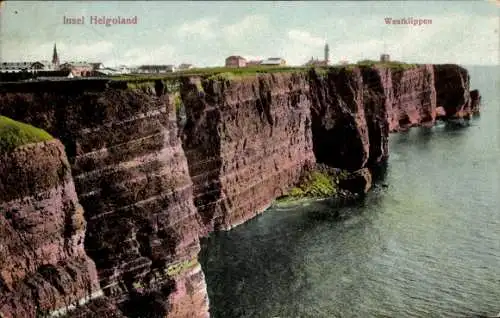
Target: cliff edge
(44, 269)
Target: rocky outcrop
(355, 109)
(339, 129)
(359, 181)
(156, 166)
(475, 98)
(452, 90)
(414, 93)
(44, 269)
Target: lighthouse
(327, 54)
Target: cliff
(44, 267)
(132, 180)
(246, 141)
(158, 164)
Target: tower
(55, 58)
(327, 53)
(385, 57)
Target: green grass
(315, 184)
(176, 269)
(14, 134)
(396, 65)
(177, 101)
(141, 85)
(231, 73)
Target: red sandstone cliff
(132, 179)
(353, 110)
(246, 142)
(147, 185)
(44, 268)
(452, 88)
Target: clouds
(91, 51)
(305, 38)
(210, 28)
(205, 28)
(204, 34)
(250, 24)
(94, 51)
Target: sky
(205, 33)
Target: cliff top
(152, 82)
(14, 134)
(252, 70)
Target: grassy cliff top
(231, 72)
(14, 134)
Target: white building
(14, 67)
(123, 69)
(148, 69)
(185, 66)
(276, 61)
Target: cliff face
(132, 179)
(246, 142)
(414, 102)
(44, 267)
(452, 87)
(154, 172)
(354, 111)
(339, 129)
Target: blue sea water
(425, 244)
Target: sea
(425, 242)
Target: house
(315, 62)
(185, 66)
(97, 66)
(253, 63)
(77, 68)
(107, 71)
(236, 61)
(156, 69)
(37, 66)
(14, 67)
(123, 69)
(47, 65)
(274, 61)
(384, 58)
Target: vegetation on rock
(395, 65)
(321, 182)
(144, 86)
(231, 73)
(177, 101)
(14, 134)
(178, 268)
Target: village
(55, 70)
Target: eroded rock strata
(156, 167)
(132, 179)
(452, 90)
(247, 142)
(44, 269)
